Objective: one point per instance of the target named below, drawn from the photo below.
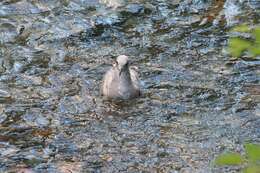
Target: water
(196, 102)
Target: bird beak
(120, 71)
(122, 68)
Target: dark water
(196, 102)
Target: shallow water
(195, 104)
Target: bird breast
(123, 86)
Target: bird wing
(107, 81)
(135, 77)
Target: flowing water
(196, 101)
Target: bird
(121, 81)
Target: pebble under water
(196, 101)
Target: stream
(197, 101)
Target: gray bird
(121, 81)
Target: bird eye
(115, 63)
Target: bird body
(121, 81)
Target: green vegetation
(229, 159)
(237, 46)
(250, 162)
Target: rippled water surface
(195, 104)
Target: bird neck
(125, 76)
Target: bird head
(122, 63)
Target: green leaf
(252, 169)
(255, 50)
(253, 152)
(229, 159)
(237, 46)
(256, 34)
(241, 28)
